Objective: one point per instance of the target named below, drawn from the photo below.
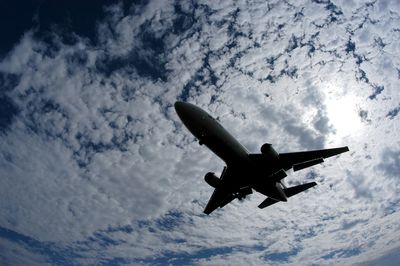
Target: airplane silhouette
(245, 171)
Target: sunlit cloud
(98, 169)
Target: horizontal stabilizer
(267, 202)
(301, 166)
(297, 189)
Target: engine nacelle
(269, 152)
(212, 180)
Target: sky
(97, 169)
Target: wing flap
(292, 158)
(300, 166)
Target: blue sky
(98, 169)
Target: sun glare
(343, 114)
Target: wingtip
(207, 211)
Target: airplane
(244, 171)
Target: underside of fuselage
(260, 176)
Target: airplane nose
(179, 107)
(191, 116)
(183, 111)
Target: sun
(343, 114)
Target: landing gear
(240, 196)
(242, 193)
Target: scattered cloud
(97, 168)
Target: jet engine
(268, 151)
(212, 180)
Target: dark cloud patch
(53, 253)
(377, 90)
(204, 76)
(363, 114)
(146, 56)
(207, 254)
(170, 220)
(233, 29)
(306, 138)
(342, 253)
(322, 123)
(379, 42)
(392, 258)
(15, 20)
(291, 72)
(362, 76)
(76, 59)
(89, 148)
(294, 43)
(350, 49)
(335, 13)
(145, 62)
(184, 258)
(391, 207)
(65, 17)
(390, 163)
(8, 110)
(43, 115)
(346, 225)
(78, 17)
(280, 256)
(287, 70)
(393, 113)
(350, 46)
(334, 9)
(271, 61)
(184, 19)
(298, 16)
(103, 239)
(311, 47)
(8, 81)
(361, 189)
(124, 228)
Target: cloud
(390, 163)
(96, 164)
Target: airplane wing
(304, 159)
(219, 198)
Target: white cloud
(97, 145)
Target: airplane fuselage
(210, 133)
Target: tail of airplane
(289, 192)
